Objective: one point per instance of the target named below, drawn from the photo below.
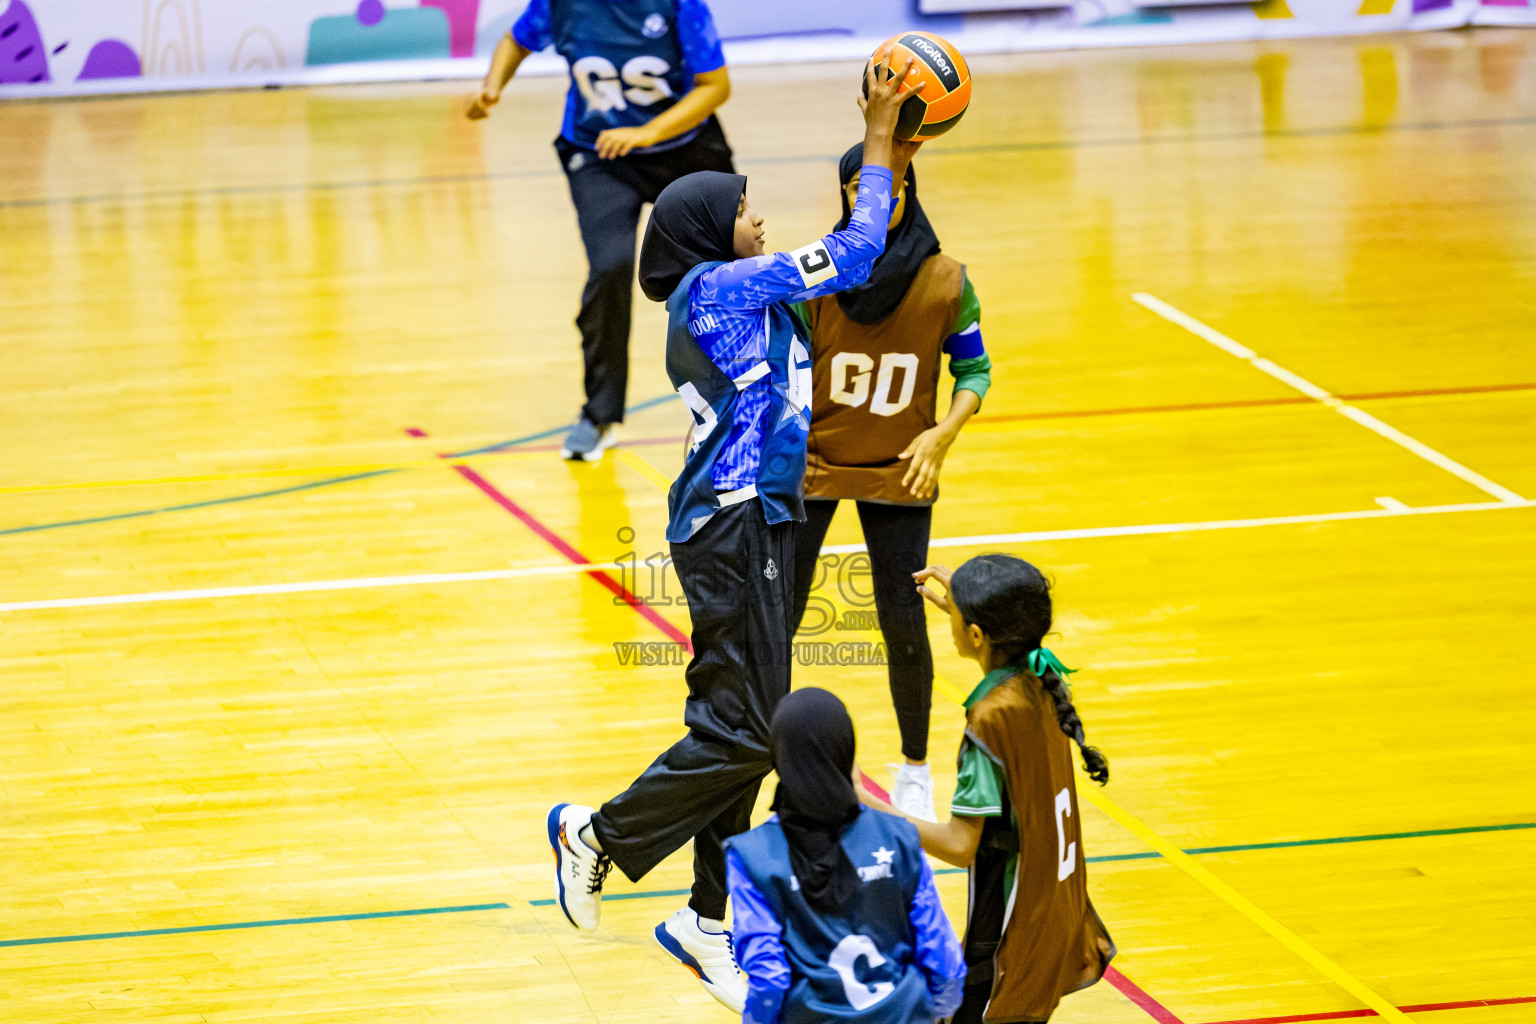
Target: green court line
(162, 510)
(323, 919)
(1150, 855)
(313, 484)
(658, 893)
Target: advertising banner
(53, 47)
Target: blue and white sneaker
(587, 441)
(579, 869)
(705, 948)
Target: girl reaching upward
(876, 438)
(737, 354)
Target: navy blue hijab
(693, 222)
(812, 743)
(907, 248)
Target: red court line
(874, 787)
(1469, 1004)
(1136, 994)
(1132, 409)
(1471, 389)
(557, 542)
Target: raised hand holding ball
(938, 81)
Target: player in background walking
(646, 79)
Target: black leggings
(897, 538)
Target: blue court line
(327, 482)
(1006, 147)
(500, 445)
(312, 485)
(325, 919)
(657, 893)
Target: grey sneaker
(587, 441)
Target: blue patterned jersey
(750, 393)
(890, 958)
(629, 59)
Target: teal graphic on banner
(375, 32)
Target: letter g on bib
(814, 263)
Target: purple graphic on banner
(370, 12)
(111, 58)
(22, 56)
(1420, 6)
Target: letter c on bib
(814, 263)
(861, 996)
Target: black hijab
(908, 245)
(812, 741)
(693, 222)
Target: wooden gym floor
(288, 693)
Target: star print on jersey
(881, 868)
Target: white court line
(1198, 527)
(1306, 387)
(567, 568)
(362, 583)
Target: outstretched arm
(504, 62)
(837, 261)
(844, 258)
(954, 841)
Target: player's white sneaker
(579, 869)
(912, 793)
(705, 948)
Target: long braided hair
(1010, 601)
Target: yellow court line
(1287, 938)
(644, 468)
(1134, 825)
